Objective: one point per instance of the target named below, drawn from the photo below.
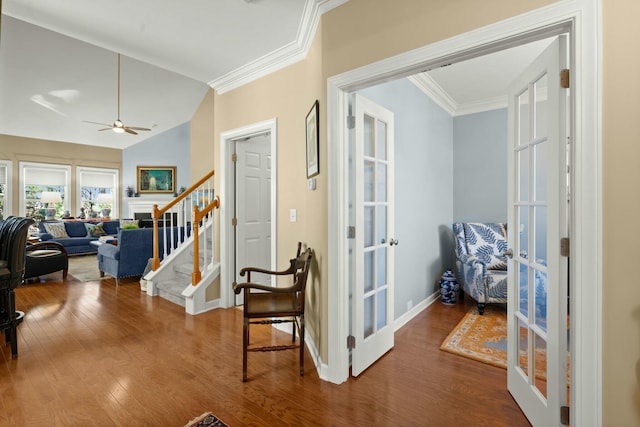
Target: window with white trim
(5, 188)
(36, 178)
(97, 191)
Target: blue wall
(423, 190)
(170, 148)
(480, 167)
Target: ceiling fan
(118, 126)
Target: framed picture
(156, 179)
(313, 141)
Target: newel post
(196, 275)
(155, 264)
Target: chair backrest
(302, 264)
(17, 249)
(485, 240)
(5, 234)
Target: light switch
(293, 215)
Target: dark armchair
(44, 258)
(276, 304)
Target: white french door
(375, 240)
(538, 205)
(253, 206)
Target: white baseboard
(406, 317)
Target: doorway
(548, 23)
(248, 168)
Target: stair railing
(181, 212)
(199, 215)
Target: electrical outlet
(293, 215)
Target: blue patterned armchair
(481, 269)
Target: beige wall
(621, 204)
(202, 137)
(288, 95)
(19, 149)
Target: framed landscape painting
(156, 179)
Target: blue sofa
(78, 241)
(132, 252)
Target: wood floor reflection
(93, 354)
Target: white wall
(169, 148)
(423, 189)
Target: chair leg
(293, 330)
(481, 308)
(64, 273)
(301, 345)
(245, 345)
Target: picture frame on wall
(312, 123)
(156, 179)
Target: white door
(375, 240)
(253, 206)
(538, 204)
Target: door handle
(508, 253)
(393, 241)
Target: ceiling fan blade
(105, 129)
(96, 123)
(128, 130)
(137, 128)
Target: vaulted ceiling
(58, 62)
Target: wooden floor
(91, 354)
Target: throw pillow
(95, 230)
(129, 223)
(56, 229)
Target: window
(5, 188)
(92, 182)
(36, 178)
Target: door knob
(508, 253)
(393, 241)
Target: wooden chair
(276, 304)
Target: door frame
(579, 18)
(227, 195)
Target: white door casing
(227, 195)
(581, 19)
(537, 199)
(375, 239)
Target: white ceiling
(58, 62)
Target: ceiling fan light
(118, 129)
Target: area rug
(484, 338)
(205, 420)
(84, 267)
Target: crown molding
(282, 57)
(433, 90)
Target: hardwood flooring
(93, 354)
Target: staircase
(190, 267)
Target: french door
(374, 238)
(537, 221)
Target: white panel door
(253, 206)
(538, 204)
(375, 240)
